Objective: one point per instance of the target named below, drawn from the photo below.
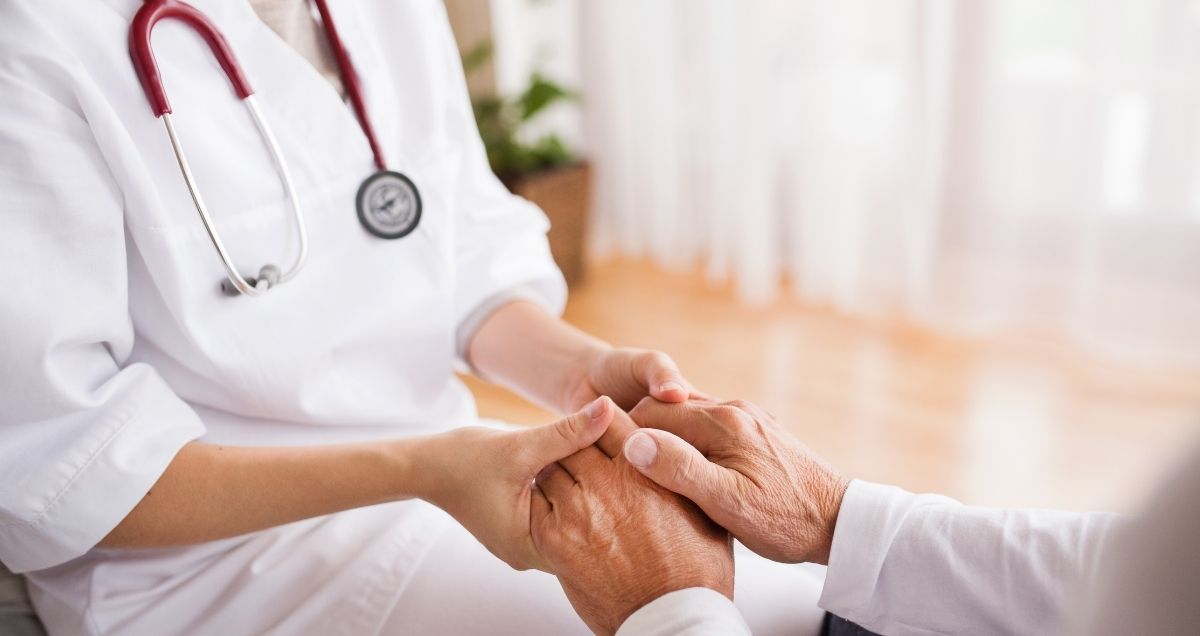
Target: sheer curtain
(978, 165)
(981, 166)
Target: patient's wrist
(831, 505)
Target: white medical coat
(116, 347)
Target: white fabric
(696, 611)
(980, 166)
(339, 574)
(920, 564)
(118, 347)
(925, 564)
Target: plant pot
(564, 194)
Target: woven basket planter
(564, 194)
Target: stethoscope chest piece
(389, 205)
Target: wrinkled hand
(484, 477)
(748, 474)
(627, 376)
(617, 541)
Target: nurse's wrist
(414, 463)
(575, 384)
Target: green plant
(501, 119)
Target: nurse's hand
(748, 474)
(484, 477)
(628, 376)
(616, 541)
(545, 359)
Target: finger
(552, 442)
(661, 377)
(586, 461)
(620, 428)
(691, 421)
(555, 483)
(540, 512)
(539, 507)
(677, 466)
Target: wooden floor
(1009, 422)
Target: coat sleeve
(925, 564)
(83, 436)
(695, 611)
(500, 239)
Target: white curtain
(982, 166)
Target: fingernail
(597, 408)
(640, 450)
(670, 386)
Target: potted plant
(543, 170)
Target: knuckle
(659, 359)
(732, 418)
(568, 428)
(726, 414)
(683, 470)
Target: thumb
(659, 373)
(676, 465)
(547, 444)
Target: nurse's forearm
(541, 356)
(213, 492)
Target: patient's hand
(748, 474)
(616, 540)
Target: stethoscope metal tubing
(239, 282)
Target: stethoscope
(388, 203)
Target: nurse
(178, 460)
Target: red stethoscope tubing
(350, 80)
(146, 67)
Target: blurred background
(954, 246)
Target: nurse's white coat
(117, 347)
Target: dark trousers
(838, 626)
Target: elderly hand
(627, 376)
(617, 541)
(749, 475)
(484, 477)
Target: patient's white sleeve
(926, 564)
(696, 611)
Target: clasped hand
(484, 477)
(624, 508)
(644, 512)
